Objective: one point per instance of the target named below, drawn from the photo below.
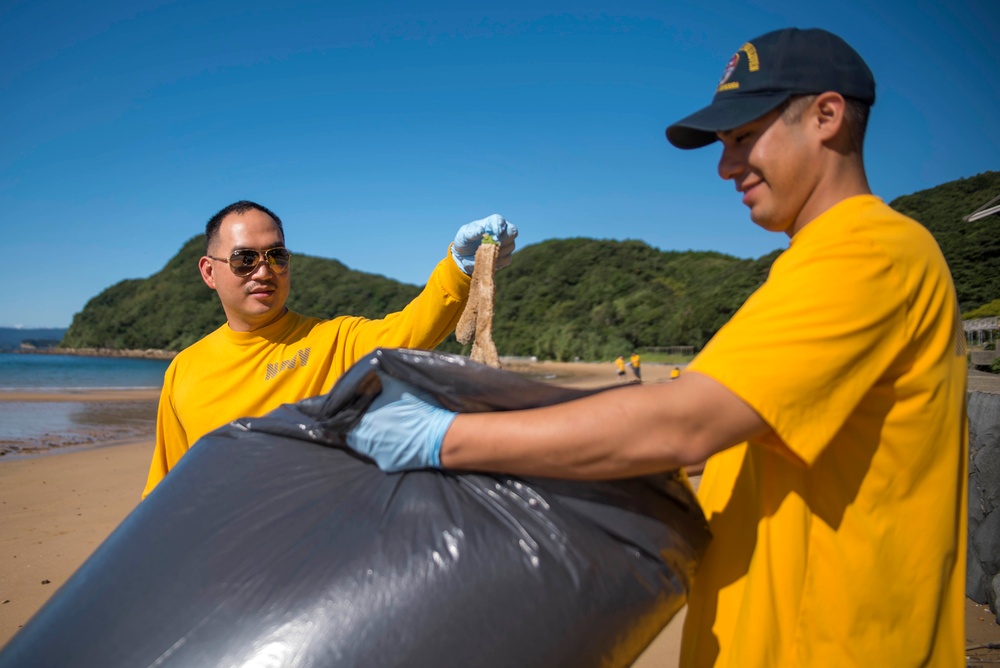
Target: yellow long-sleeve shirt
(229, 374)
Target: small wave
(91, 388)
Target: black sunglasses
(244, 261)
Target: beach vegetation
(991, 310)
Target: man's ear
(828, 115)
(207, 270)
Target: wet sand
(33, 423)
(57, 509)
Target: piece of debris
(477, 318)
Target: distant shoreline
(79, 395)
(148, 354)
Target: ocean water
(31, 427)
(72, 372)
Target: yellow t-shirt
(229, 375)
(841, 543)
(634, 361)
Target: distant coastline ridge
(148, 354)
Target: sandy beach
(57, 507)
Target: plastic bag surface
(273, 544)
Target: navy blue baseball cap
(769, 70)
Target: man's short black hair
(241, 207)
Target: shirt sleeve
(423, 323)
(813, 340)
(171, 438)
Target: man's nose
(730, 163)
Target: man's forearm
(618, 433)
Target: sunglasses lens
(278, 258)
(243, 262)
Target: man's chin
(769, 223)
(272, 311)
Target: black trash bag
(262, 549)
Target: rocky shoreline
(150, 353)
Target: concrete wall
(983, 358)
(982, 582)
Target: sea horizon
(57, 372)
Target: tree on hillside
(972, 250)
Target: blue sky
(376, 129)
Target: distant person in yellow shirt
(620, 367)
(831, 407)
(634, 362)
(675, 373)
(265, 355)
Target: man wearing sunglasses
(265, 355)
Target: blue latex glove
(402, 429)
(470, 236)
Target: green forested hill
(13, 338)
(971, 249)
(596, 299)
(560, 299)
(174, 308)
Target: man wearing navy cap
(830, 407)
